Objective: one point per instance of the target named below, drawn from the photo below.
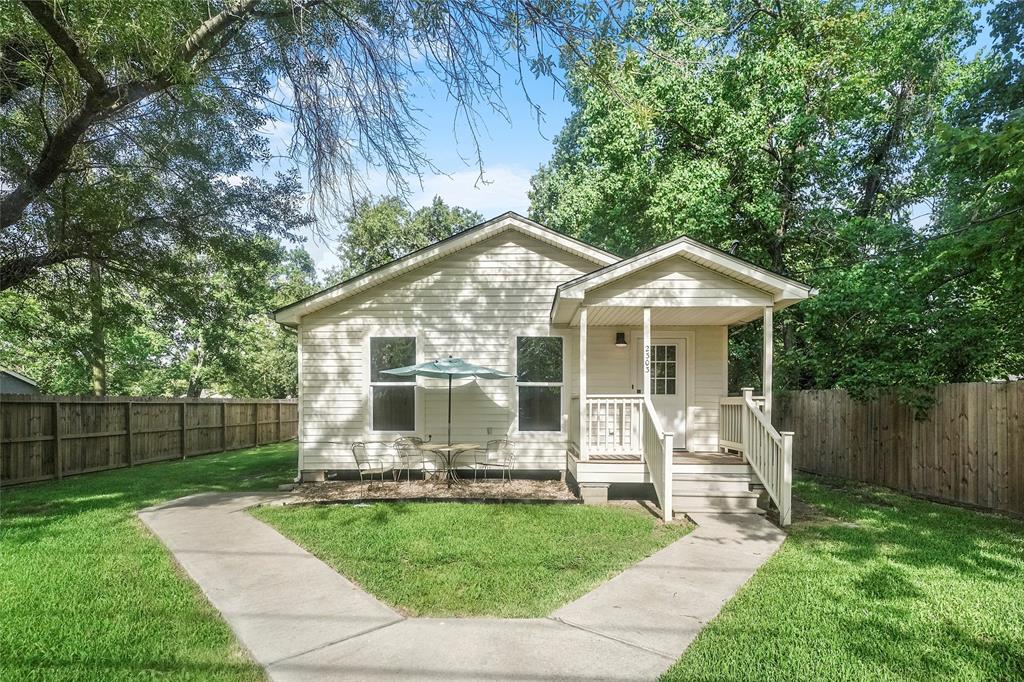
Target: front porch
(652, 404)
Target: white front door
(668, 382)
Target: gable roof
(784, 290)
(18, 376)
(291, 314)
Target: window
(393, 399)
(539, 380)
(663, 370)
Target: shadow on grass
(89, 594)
(872, 584)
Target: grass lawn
(879, 587)
(448, 559)
(87, 594)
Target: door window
(663, 369)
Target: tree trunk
(98, 332)
(195, 378)
(880, 158)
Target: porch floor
(678, 457)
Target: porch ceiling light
(620, 339)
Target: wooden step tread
(694, 494)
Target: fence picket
(968, 447)
(85, 434)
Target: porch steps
(702, 488)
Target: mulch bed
(517, 490)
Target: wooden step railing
(767, 451)
(574, 425)
(657, 447)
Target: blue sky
(512, 150)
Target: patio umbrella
(450, 367)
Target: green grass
(86, 593)
(448, 559)
(879, 587)
(876, 586)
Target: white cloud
(503, 188)
(279, 135)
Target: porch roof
(684, 282)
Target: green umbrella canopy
(448, 368)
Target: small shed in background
(12, 382)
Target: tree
(225, 343)
(977, 240)
(157, 107)
(799, 130)
(379, 231)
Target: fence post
(128, 428)
(255, 423)
(223, 425)
(279, 422)
(786, 494)
(666, 507)
(183, 441)
(748, 394)
(58, 459)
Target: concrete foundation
(312, 476)
(594, 493)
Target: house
(621, 364)
(12, 382)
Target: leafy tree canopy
(132, 229)
(379, 231)
(147, 113)
(228, 346)
(804, 132)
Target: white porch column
(647, 352)
(766, 367)
(584, 423)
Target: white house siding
(677, 282)
(470, 304)
(608, 371)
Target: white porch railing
(730, 423)
(574, 424)
(613, 425)
(657, 447)
(767, 451)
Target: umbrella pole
(450, 463)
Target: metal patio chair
(371, 464)
(498, 454)
(409, 453)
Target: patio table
(450, 454)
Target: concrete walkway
(303, 621)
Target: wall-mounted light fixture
(620, 339)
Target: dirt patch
(519, 490)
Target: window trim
(369, 383)
(563, 427)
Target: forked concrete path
(303, 621)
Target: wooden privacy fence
(968, 448)
(49, 437)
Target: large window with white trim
(539, 382)
(392, 399)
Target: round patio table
(450, 454)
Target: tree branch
(100, 103)
(42, 12)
